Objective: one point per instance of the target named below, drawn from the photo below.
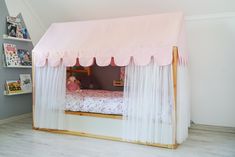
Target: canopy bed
(155, 101)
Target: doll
(73, 84)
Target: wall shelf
(6, 37)
(20, 93)
(17, 66)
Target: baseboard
(15, 118)
(213, 128)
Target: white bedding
(95, 101)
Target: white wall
(211, 43)
(33, 23)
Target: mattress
(95, 101)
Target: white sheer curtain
(183, 103)
(148, 95)
(49, 97)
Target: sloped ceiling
(39, 14)
(50, 11)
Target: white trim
(15, 118)
(210, 16)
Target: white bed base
(95, 125)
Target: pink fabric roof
(139, 37)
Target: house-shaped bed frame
(61, 45)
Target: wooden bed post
(33, 90)
(174, 72)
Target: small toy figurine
(73, 84)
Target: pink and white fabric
(95, 101)
(140, 38)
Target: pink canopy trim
(113, 41)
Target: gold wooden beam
(99, 115)
(174, 72)
(33, 90)
(170, 146)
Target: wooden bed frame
(115, 119)
(100, 115)
(86, 70)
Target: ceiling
(50, 11)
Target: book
(25, 57)
(26, 82)
(22, 32)
(11, 56)
(19, 32)
(13, 26)
(13, 86)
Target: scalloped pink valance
(117, 40)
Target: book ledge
(15, 38)
(18, 93)
(20, 66)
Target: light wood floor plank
(17, 139)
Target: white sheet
(96, 101)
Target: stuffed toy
(73, 84)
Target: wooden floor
(17, 139)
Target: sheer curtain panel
(148, 95)
(49, 97)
